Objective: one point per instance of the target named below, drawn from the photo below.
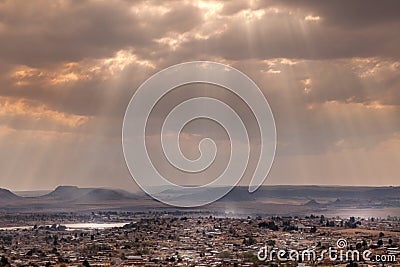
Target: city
(187, 239)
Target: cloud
(41, 33)
(283, 32)
(82, 87)
(330, 72)
(22, 113)
(355, 13)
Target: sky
(329, 70)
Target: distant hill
(297, 200)
(333, 195)
(66, 193)
(77, 194)
(101, 194)
(283, 200)
(63, 197)
(315, 192)
(8, 196)
(312, 202)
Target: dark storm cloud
(38, 33)
(343, 13)
(75, 31)
(46, 34)
(292, 36)
(330, 71)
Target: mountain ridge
(268, 199)
(69, 193)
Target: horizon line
(138, 189)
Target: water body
(73, 226)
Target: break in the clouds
(330, 71)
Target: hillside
(272, 200)
(8, 196)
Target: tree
(364, 243)
(4, 262)
(270, 225)
(55, 240)
(249, 242)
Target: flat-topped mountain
(333, 193)
(274, 200)
(66, 192)
(64, 196)
(77, 194)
